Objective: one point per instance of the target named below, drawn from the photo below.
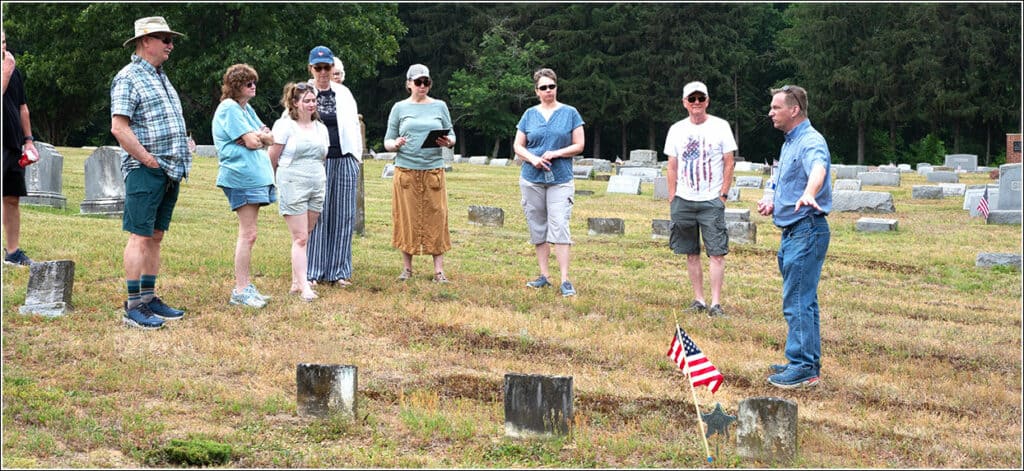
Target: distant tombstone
(605, 226)
(479, 160)
(879, 178)
(741, 232)
(848, 171)
(49, 290)
(923, 165)
(359, 226)
(104, 184)
(734, 194)
(384, 156)
(743, 181)
(767, 430)
(848, 184)
(599, 165)
(324, 390)
(926, 192)
(44, 179)
(537, 405)
(389, 171)
(905, 168)
(924, 169)
(889, 169)
(988, 260)
(624, 184)
(993, 197)
(206, 151)
(971, 199)
(863, 201)
(1009, 186)
(736, 214)
(942, 177)
(952, 189)
(646, 174)
(742, 166)
(1010, 217)
(661, 228)
(965, 162)
(875, 225)
(582, 172)
(1013, 151)
(643, 155)
(602, 177)
(580, 192)
(486, 216)
(756, 167)
(498, 163)
(661, 188)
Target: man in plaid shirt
(147, 121)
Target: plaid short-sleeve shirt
(143, 93)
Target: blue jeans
(801, 255)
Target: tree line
(887, 82)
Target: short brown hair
(545, 72)
(293, 92)
(235, 79)
(795, 96)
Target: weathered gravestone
(486, 216)
(479, 160)
(767, 430)
(49, 290)
(599, 165)
(206, 151)
(44, 179)
(879, 178)
(624, 184)
(739, 227)
(1000, 216)
(875, 225)
(389, 171)
(988, 260)
(104, 184)
(971, 199)
(579, 192)
(661, 188)
(889, 169)
(744, 181)
(952, 189)
(645, 174)
(924, 168)
(965, 162)
(863, 201)
(643, 156)
(905, 168)
(324, 390)
(582, 172)
(1009, 187)
(498, 163)
(606, 226)
(848, 184)
(537, 405)
(942, 177)
(848, 171)
(661, 228)
(926, 192)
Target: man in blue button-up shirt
(801, 200)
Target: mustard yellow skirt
(419, 212)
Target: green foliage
(886, 149)
(929, 149)
(196, 452)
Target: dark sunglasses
(164, 39)
(422, 82)
(696, 98)
(321, 68)
(250, 84)
(545, 88)
(303, 86)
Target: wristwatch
(725, 195)
(30, 138)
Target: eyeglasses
(798, 95)
(251, 84)
(545, 88)
(696, 98)
(303, 86)
(164, 39)
(321, 68)
(422, 82)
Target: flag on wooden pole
(688, 357)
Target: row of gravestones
(539, 406)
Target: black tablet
(431, 140)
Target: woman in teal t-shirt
(245, 173)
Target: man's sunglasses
(545, 88)
(696, 98)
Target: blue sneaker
(567, 289)
(141, 317)
(776, 369)
(247, 297)
(262, 296)
(17, 258)
(540, 282)
(795, 377)
(163, 311)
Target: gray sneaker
(248, 298)
(17, 258)
(697, 306)
(716, 311)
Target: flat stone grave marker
(988, 260)
(767, 430)
(743, 166)
(1004, 216)
(498, 163)
(599, 165)
(389, 171)
(104, 185)
(602, 177)
(486, 216)
(942, 177)
(924, 169)
(643, 155)
(44, 179)
(966, 162)
(645, 174)
(863, 201)
(889, 169)
(849, 184)
(324, 390)
(582, 172)
(624, 184)
(746, 181)
(50, 284)
(661, 188)
(736, 214)
(479, 160)
(584, 192)
(875, 225)
(661, 228)
(537, 405)
(206, 150)
(606, 226)
(848, 171)
(952, 189)
(1009, 187)
(926, 192)
(879, 178)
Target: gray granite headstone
(479, 160)
(987, 260)
(926, 192)
(645, 174)
(905, 168)
(389, 171)
(1004, 216)
(537, 405)
(1009, 187)
(971, 198)
(848, 171)
(876, 225)
(206, 151)
(922, 166)
(661, 188)
(325, 390)
(50, 284)
(952, 189)
(741, 232)
(863, 201)
(736, 214)
(486, 216)
(580, 192)
(924, 170)
(966, 162)
(498, 163)
(599, 165)
(849, 184)
(742, 166)
(661, 228)
(44, 179)
(767, 430)
(606, 226)
(744, 181)
(879, 178)
(942, 177)
(624, 184)
(643, 155)
(582, 172)
(889, 169)
(104, 184)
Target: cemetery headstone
(646, 174)
(875, 225)
(486, 216)
(988, 260)
(606, 226)
(952, 189)
(926, 192)
(661, 188)
(971, 198)
(736, 214)
(745, 181)
(889, 169)
(924, 169)
(602, 177)
(767, 430)
(848, 171)
(742, 166)
(206, 150)
(905, 168)
(1009, 187)
(498, 163)
(643, 155)
(965, 162)
(1007, 217)
(599, 165)
(326, 389)
(479, 160)
(863, 201)
(942, 177)
(624, 184)
(389, 171)
(879, 178)
(44, 179)
(582, 172)
(50, 284)
(580, 192)
(104, 185)
(661, 228)
(848, 184)
(741, 232)
(537, 405)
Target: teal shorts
(149, 200)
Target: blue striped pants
(329, 250)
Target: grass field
(921, 368)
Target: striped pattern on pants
(330, 244)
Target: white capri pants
(548, 209)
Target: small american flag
(685, 354)
(983, 204)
